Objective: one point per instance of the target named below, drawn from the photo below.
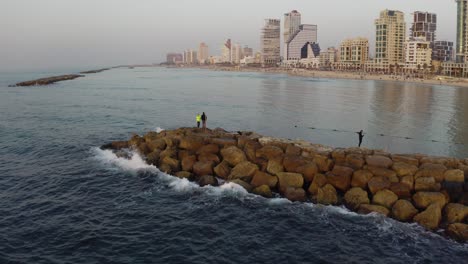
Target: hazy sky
(51, 34)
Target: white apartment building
(390, 39)
(418, 54)
(226, 51)
(203, 53)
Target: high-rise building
(442, 51)
(247, 52)
(226, 51)
(292, 21)
(236, 53)
(354, 51)
(305, 34)
(203, 53)
(270, 42)
(390, 39)
(424, 25)
(328, 57)
(462, 31)
(190, 56)
(418, 54)
(174, 58)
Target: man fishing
(361, 136)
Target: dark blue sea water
(62, 200)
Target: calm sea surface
(64, 201)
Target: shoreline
(444, 81)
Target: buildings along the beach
(270, 42)
(203, 54)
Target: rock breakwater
(49, 80)
(431, 191)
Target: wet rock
(209, 157)
(143, 149)
(404, 211)
(327, 195)
(115, 145)
(250, 149)
(201, 168)
(210, 148)
(372, 208)
(403, 169)
(165, 168)
(275, 165)
(385, 198)
(156, 144)
(456, 213)
(454, 176)
(269, 152)
(431, 170)
(291, 163)
(233, 155)
(153, 157)
(244, 171)
(295, 194)
(427, 184)
(168, 152)
(424, 199)
(379, 161)
(458, 231)
(378, 183)
(188, 162)
(401, 190)
(340, 177)
(244, 184)
(355, 197)
(222, 170)
(172, 163)
(207, 180)
(261, 178)
(319, 181)
(263, 190)
(184, 175)
(361, 178)
(289, 179)
(135, 141)
(454, 190)
(429, 218)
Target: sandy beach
(436, 80)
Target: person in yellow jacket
(198, 120)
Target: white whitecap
(159, 129)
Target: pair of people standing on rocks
(202, 118)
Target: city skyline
(143, 34)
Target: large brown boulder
(263, 190)
(389, 174)
(404, 211)
(209, 157)
(191, 143)
(327, 195)
(275, 165)
(269, 152)
(378, 183)
(209, 148)
(339, 156)
(401, 190)
(116, 145)
(201, 168)
(293, 150)
(355, 197)
(156, 144)
(424, 199)
(295, 194)
(135, 141)
(207, 180)
(289, 179)
(233, 155)
(222, 170)
(454, 176)
(244, 184)
(188, 162)
(261, 178)
(168, 152)
(340, 177)
(458, 231)
(426, 184)
(244, 171)
(172, 163)
(385, 198)
(406, 159)
(355, 161)
(319, 181)
(404, 169)
(372, 208)
(379, 161)
(408, 181)
(250, 149)
(456, 213)
(429, 218)
(153, 157)
(225, 141)
(323, 163)
(361, 178)
(291, 163)
(143, 149)
(184, 175)
(308, 171)
(431, 170)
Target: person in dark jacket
(204, 118)
(361, 136)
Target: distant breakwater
(431, 191)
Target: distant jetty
(48, 80)
(431, 191)
(95, 71)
